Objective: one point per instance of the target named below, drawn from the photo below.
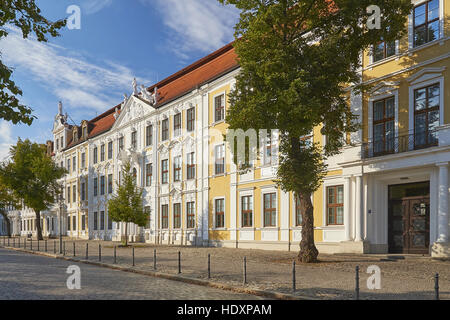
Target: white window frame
(386, 59)
(181, 215)
(242, 194)
(376, 97)
(224, 213)
(333, 183)
(224, 157)
(267, 190)
(411, 25)
(224, 93)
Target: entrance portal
(409, 218)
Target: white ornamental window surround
(242, 194)
(268, 190)
(411, 23)
(385, 91)
(425, 78)
(215, 201)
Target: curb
(195, 281)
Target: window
(62, 142)
(95, 155)
(383, 50)
(68, 223)
(384, 125)
(177, 124)
(95, 220)
(74, 193)
(102, 220)
(57, 144)
(148, 135)
(102, 185)
(147, 211)
(335, 205)
(109, 223)
(83, 191)
(220, 159)
(270, 210)
(110, 183)
(148, 174)
(102, 152)
(165, 216)
(134, 139)
(74, 223)
(247, 211)
(121, 143)
(74, 163)
(165, 130)
(83, 160)
(68, 165)
(219, 210)
(426, 22)
(177, 215)
(68, 195)
(190, 119)
(83, 222)
(219, 108)
(190, 214)
(268, 149)
(426, 115)
(110, 150)
(191, 165)
(177, 169)
(85, 135)
(298, 212)
(164, 171)
(95, 187)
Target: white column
(443, 203)
(358, 209)
(347, 207)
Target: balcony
(399, 144)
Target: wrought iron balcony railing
(398, 144)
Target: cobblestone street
(29, 277)
(402, 276)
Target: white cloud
(94, 6)
(196, 25)
(6, 139)
(72, 79)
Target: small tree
(127, 205)
(32, 175)
(26, 15)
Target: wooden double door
(409, 225)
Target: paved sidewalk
(410, 277)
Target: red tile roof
(180, 83)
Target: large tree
(26, 15)
(298, 60)
(7, 199)
(127, 205)
(32, 175)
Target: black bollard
(245, 270)
(132, 253)
(115, 258)
(87, 252)
(64, 248)
(74, 254)
(19, 242)
(154, 259)
(436, 286)
(179, 262)
(38, 245)
(99, 252)
(357, 284)
(54, 246)
(209, 266)
(45, 243)
(293, 277)
(31, 245)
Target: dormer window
(75, 135)
(85, 131)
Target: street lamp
(61, 203)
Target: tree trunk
(8, 223)
(308, 251)
(38, 226)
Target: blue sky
(90, 69)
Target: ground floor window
(95, 221)
(190, 209)
(165, 216)
(247, 211)
(298, 212)
(270, 210)
(220, 213)
(177, 215)
(335, 205)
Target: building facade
(387, 192)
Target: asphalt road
(30, 277)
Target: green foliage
(23, 14)
(31, 175)
(297, 60)
(127, 204)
